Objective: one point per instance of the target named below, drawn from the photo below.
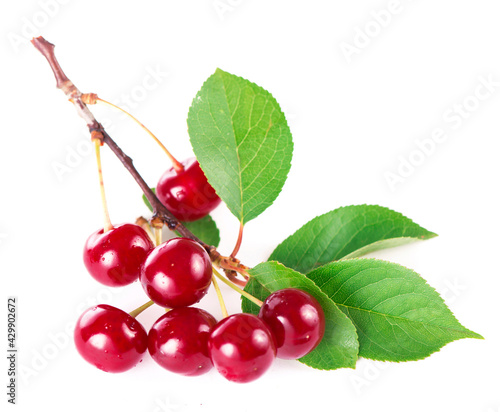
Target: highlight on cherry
(315, 300)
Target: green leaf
(242, 141)
(346, 232)
(339, 346)
(398, 316)
(204, 229)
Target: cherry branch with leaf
(315, 299)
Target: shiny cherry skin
(177, 273)
(241, 347)
(296, 320)
(178, 341)
(187, 194)
(114, 258)
(110, 339)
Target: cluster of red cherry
(175, 275)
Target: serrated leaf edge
(352, 362)
(369, 248)
(430, 234)
(219, 71)
(473, 335)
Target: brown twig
(92, 98)
(98, 132)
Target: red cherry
(187, 194)
(114, 258)
(241, 347)
(110, 339)
(177, 273)
(296, 320)
(178, 341)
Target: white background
(354, 118)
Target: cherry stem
(107, 221)
(236, 281)
(142, 222)
(91, 98)
(238, 242)
(237, 289)
(158, 235)
(219, 296)
(228, 265)
(75, 97)
(242, 272)
(140, 309)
